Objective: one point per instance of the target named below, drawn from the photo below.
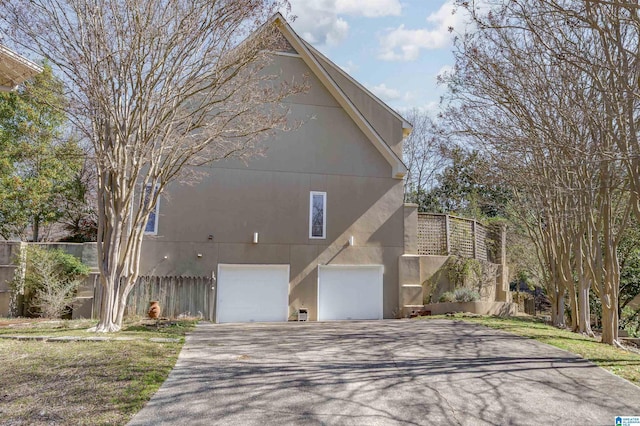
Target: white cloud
(409, 97)
(319, 21)
(386, 93)
(444, 71)
(391, 95)
(401, 44)
(431, 108)
(350, 67)
(369, 8)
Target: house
(316, 224)
(14, 69)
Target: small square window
(318, 215)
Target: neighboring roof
(311, 58)
(14, 69)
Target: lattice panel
(481, 242)
(432, 235)
(463, 233)
(460, 237)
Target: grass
(135, 329)
(80, 382)
(620, 362)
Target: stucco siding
(293, 70)
(386, 125)
(326, 142)
(303, 260)
(213, 221)
(232, 204)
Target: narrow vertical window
(152, 222)
(318, 215)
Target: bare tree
(598, 42)
(158, 86)
(422, 154)
(528, 88)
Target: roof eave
(399, 170)
(405, 123)
(17, 69)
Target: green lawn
(138, 329)
(83, 383)
(620, 362)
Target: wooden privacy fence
(178, 296)
(443, 235)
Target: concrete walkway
(381, 373)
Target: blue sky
(396, 48)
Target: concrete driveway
(381, 373)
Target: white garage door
(349, 292)
(252, 293)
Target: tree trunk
(584, 308)
(611, 281)
(118, 254)
(573, 303)
(114, 303)
(554, 311)
(584, 318)
(584, 285)
(609, 321)
(116, 287)
(557, 308)
(609, 296)
(560, 312)
(108, 311)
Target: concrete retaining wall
(86, 252)
(481, 308)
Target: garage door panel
(350, 292)
(252, 293)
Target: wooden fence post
(474, 239)
(447, 231)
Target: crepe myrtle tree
(160, 87)
(538, 88)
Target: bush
(51, 280)
(466, 295)
(460, 295)
(447, 297)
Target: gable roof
(323, 58)
(14, 69)
(312, 57)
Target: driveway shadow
(383, 372)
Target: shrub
(447, 296)
(466, 295)
(463, 271)
(51, 280)
(460, 295)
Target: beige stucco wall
(270, 196)
(9, 251)
(386, 125)
(276, 205)
(480, 308)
